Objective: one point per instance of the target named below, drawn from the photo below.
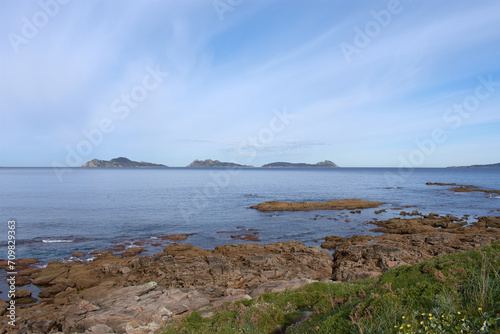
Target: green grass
(449, 294)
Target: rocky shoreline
(131, 294)
(137, 294)
(128, 293)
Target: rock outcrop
(341, 204)
(409, 241)
(136, 294)
(464, 188)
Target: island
(497, 165)
(120, 162)
(322, 164)
(216, 163)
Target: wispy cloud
(226, 77)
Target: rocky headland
(497, 165)
(120, 162)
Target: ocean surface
(92, 209)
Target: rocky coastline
(130, 292)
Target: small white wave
(58, 240)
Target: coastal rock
(22, 293)
(3, 307)
(114, 291)
(332, 242)
(22, 281)
(133, 251)
(53, 270)
(77, 254)
(185, 250)
(409, 241)
(174, 237)
(440, 184)
(342, 204)
(20, 264)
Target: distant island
(121, 162)
(208, 163)
(497, 165)
(322, 164)
(215, 163)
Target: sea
(91, 209)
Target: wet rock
(26, 300)
(470, 188)
(53, 270)
(488, 222)
(133, 251)
(174, 237)
(440, 184)
(22, 281)
(19, 263)
(29, 271)
(247, 237)
(342, 204)
(77, 254)
(22, 293)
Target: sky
(361, 83)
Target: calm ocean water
(94, 208)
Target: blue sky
(364, 84)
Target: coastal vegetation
(457, 293)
